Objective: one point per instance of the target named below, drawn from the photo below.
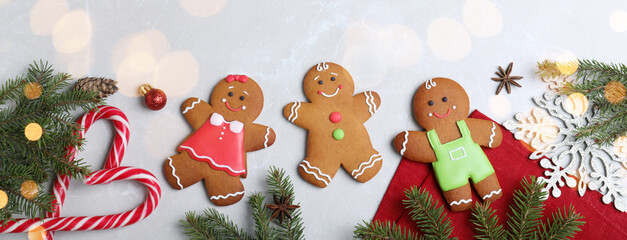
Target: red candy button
(335, 117)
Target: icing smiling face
(440, 102)
(326, 81)
(237, 97)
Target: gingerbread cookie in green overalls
(452, 143)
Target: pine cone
(104, 86)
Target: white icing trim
(214, 163)
(227, 196)
(332, 73)
(322, 66)
(246, 93)
(316, 78)
(492, 193)
(430, 83)
(294, 112)
(312, 167)
(405, 142)
(492, 136)
(265, 143)
(332, 95)
(314, 174)
(366, 162)
(372, 106)
(192, 106)
(369, 166)
(178, 180)
(461, 201)
(230, 87)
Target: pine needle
(430, 219)
(382, 230)
(211, 225)
(526, 209)
(486, 221)
(563, 225)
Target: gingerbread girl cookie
(335, 120)
(452, 143)
(223, 132)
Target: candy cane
(111, 172)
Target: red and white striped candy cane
(111, 172)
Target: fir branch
(563, 225)
(211, 225)
(261, 217)
(548, 69)
(21, 159)
(526, 209)
(279, 184)
(486, 222)
(430, 219)
(11, 89)
(382, 230)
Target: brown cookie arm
(414, 145)
(257, 136)
(196, 112)
(485, 133)
(299, 113)
(367, 103)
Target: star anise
(506, 80)
(281, 208)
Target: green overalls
(459, 160)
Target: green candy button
(338, 134)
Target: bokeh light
(45, 14)
(203, 8)
(72, 32)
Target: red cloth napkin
(511, 163)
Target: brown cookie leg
(182, 171)
(222, 188)
(318, 171)
(459, 199)
(489, 188)
(365, 166)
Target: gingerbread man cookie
(223, 132)
(335, 120)
(452, 143)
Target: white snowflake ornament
(597, 167)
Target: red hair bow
(241, 78)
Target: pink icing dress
(218, 143)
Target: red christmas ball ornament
(155, 98)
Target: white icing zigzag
(227, 196)
(294, 112)
(492, 135)
(492, 193)
(191, 107)
(405, 142)
(373, 159)
(326, 182)
(461, 201)
(265, 144)
(178, 180)
(372, 106)
(210, 159)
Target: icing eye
(320, 82)
(241, 97)
(444, 99)
(431, 103)
(332, 78)
(230, 94)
